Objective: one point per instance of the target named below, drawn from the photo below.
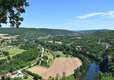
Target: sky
(69, 14)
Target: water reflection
(89, 74)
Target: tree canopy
(10, 11)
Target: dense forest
(91, 31)
(34, 33)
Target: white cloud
(109, 13)
(90, 15)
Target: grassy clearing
(12, 50)
(50, 59)
(29, 78)
(59, 53)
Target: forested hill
(104, 36)
(33, 32)
(91, 31)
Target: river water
(89, 75)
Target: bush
(25, 77)
(58, 55)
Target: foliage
(27, 46)
(83, 67)
(18, 61)
(35, 76)
(9, 51)
(31, 33)
(104, 76)
(5, 53)
(11, 10)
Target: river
(90, 73)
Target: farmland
(7, 36)
(12, 50)
(60, 65)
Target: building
(1, 53)
(8, 74)
(107, 45)
(0, 77)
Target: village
(19, 73)
(13, 50)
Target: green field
(60, 53)
(50, 59)
(29, 78)
(12, 50)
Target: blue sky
(70, 14)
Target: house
(106, 44)
(1, 53)
(8, 74)
(0, 77)
(19, 72)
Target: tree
(77, 73)
(57, 77)
(98, 76)
(36, 77)
(5, 53)
(45, 57)
(58, 55)
(64, 76)
(25, 77)
(50, 78)
(10, 10)
(11, 70)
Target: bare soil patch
(37, 70)
(60, 65)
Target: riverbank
(90, 73)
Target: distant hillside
(104, 36)
(91, 31)
(33, 32)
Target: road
(20, 71)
